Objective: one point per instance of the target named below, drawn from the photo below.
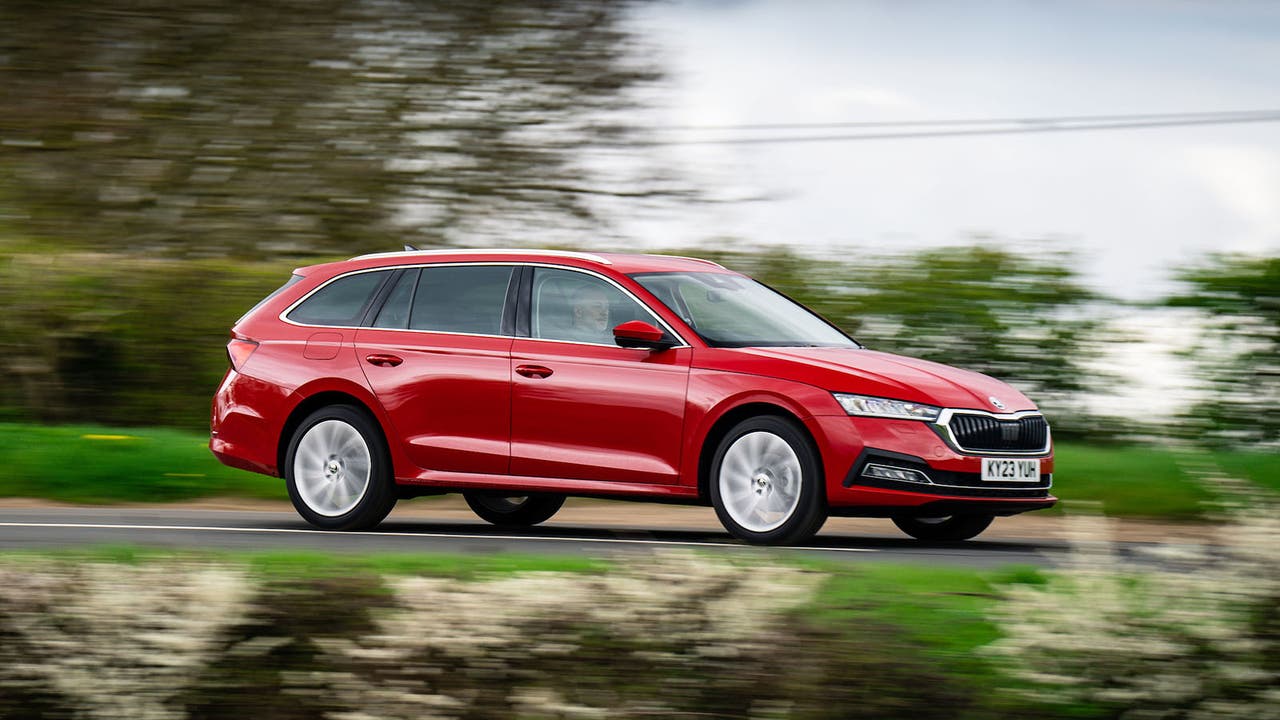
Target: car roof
(619, 262)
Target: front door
(582, 407)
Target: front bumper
(946, 482)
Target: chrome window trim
(943, 426)
(477, 263)
(493, 263)
(283, 313)
(656, 316)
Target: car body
(519, 377)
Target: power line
(961, 128)
(1130, 117)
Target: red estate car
(521, 377)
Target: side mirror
(640, 334)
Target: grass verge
(88, 464)
(314, 565)
(1149, 481)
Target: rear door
(438, 358)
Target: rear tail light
(238, 352)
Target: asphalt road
(45, 528)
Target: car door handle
(383, 360)
(533, 371)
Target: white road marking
(333, 533)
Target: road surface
(446, 531)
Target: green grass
(945, 608)
(1261, 468)
(1134, 481)
(309, 564)
(87, 464)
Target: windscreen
(736, 311)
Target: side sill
(523, 484)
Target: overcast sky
(1131, 203)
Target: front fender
(714, 395)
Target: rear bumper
(240, 437)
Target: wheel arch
(731, 417)
(314, 402)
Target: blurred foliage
(1195, 636)
(664, 636)
(1239, 356)
(1019, 318)
(313, 126)
(120, 339)
(163, 166)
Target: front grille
(983, 433)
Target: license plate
(1003, 470)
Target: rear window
(342, 302)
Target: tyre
(338, 470)
(766, 482)
(949, 528)
(514, 511)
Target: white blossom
(116, 640)
(1175, 640)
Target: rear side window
(461, 299)
(293, 280)
(341, 302)
(395, 311)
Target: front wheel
(766, 482)
(514, 511)
(948, 528)
(338, 470)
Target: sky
(1130, 204)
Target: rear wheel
(766, 483)
(514, 510)
(948, 528)
(338, 470)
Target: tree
(314, 126)
(1239, 360)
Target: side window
(341, 302)
(293, 280)
(395, 311)
(462, 299)
(577, 307)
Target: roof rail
(483, 251)
(690, 259)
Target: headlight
(886, 408)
